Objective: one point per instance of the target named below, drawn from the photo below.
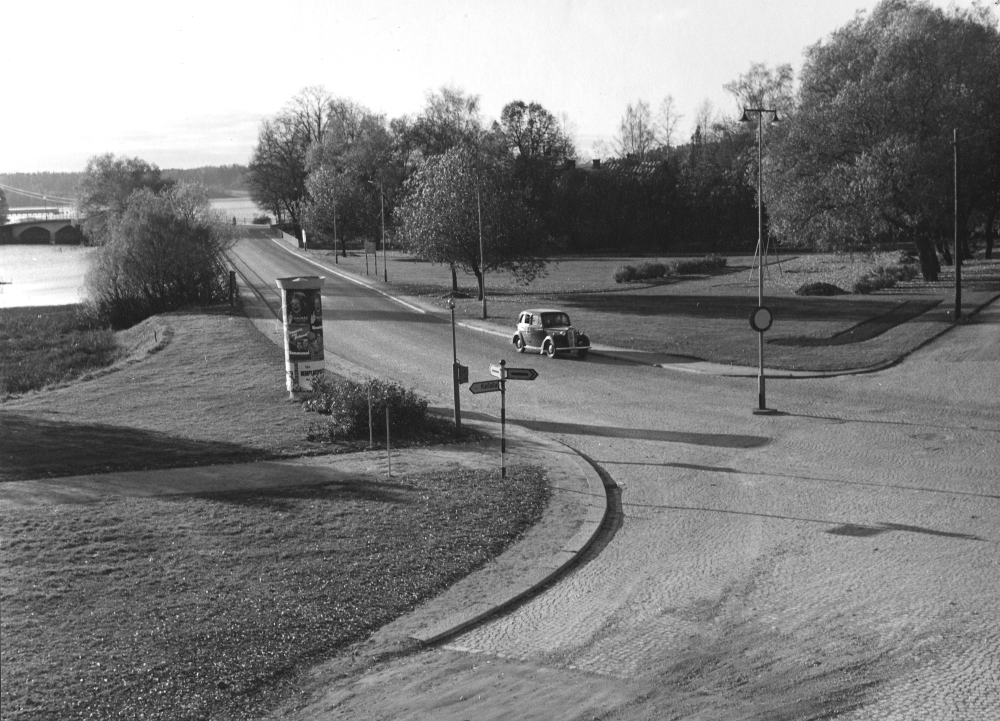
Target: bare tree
(667, 120)
(636, 135)
(706, 121)
(311, 111)
(764, 87)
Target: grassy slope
(209, 606)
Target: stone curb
(568, 473)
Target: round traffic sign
(760, 319)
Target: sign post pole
(503, 418)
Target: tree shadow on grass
(866, 330)
(283, 498)
(35, 448)
(840, 310)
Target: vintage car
(549, 331)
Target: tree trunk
(454, 279)
(946, 253)
(990, 219)
(479, 280)
(929, 265)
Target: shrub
(261, 220)
(692, 266)
(650, 271)
(163, 253)
(819, 289)
(346, 404)
(886, 276)
(625, 273)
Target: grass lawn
(210, 605)
(46, 344)
(707, 316)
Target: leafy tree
(449, 119)
(277, 172)
(163, 252)
(4, 208)
(356, 161)
(439, 218)
(539, 148)
(636, 134)
(105, 187)
(866, 156)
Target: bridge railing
(30, 215)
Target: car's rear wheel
(519, 343)
(549, 349)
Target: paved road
(840, 556)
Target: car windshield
(551, 320)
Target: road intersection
(838, 557)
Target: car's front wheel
(549, 349)
(519, 343)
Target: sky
(185, 84)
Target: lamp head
(776, 119)
(745, 118)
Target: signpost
(484, 387)
(503, 374)
(521, 374)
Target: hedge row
(887, 276)
(652, 271)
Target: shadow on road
(719, 440)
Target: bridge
(47, 224)
(43, 225)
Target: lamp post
(760, 319)
(385, 265)
(482, 259)
(455, 367)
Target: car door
(524, 327)
(536, 334)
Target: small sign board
(495, 371)
(760, 319)
(484, 386)
(520, 374)
(370, 247)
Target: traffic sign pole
(503, 419)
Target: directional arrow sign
(484, 386)
(495, 371)
(521, 374)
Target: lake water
(53, 274)
(42, 274)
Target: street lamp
(760, 319)
(385, 265)
(482, 258)
(455, 372)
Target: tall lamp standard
(482, 258)
(455, 367)
(385, 265)
(760, 318)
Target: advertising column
(302, 316)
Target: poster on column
(302, 316)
